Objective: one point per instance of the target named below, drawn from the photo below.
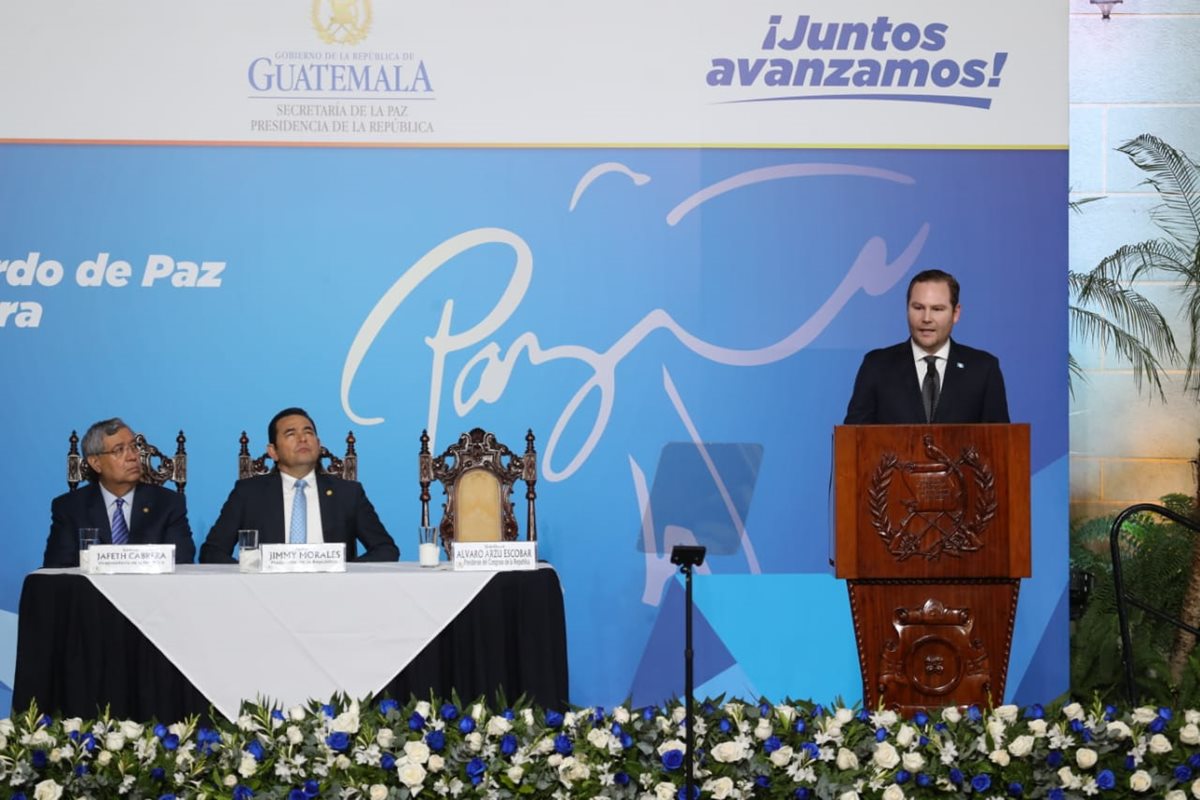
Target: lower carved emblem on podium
(934, 659)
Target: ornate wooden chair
(345, 467)
(477, 474)
(157, 468)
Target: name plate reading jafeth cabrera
(494, 556)
(135, 559)
(303, 557)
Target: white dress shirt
(943, 358)
(316, 535)
(110, 504)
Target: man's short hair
(93, 440)
(287, 412)
(935, 276)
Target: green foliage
(1155, 557)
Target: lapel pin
(958, 364)
(145, 509)
(329, 492)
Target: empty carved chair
(345, 467)
(157, 468)
(477, 474)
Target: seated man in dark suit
(297, 503)
(929, 378)
(115, 502)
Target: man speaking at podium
(929, 378)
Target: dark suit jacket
(886, 391)
(346, 516)
(156, 516)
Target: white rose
(545, 745)
(555, 760)
(621, 715)
(951, 714)
(1175, 794)
(1008, 713)
(7, 727)
(1118, 730)
(385, 737)
(1068, 778)
(410, 774)
(849, 795)
(893, 792)
(1196, 788)
(905, 736)
(598, 738)
(423, 708)
(72, 725)
(527, 716)
(378, 791)
(246, 723)
(1159, 744)
(47, 790)
(782, 756)
(995, 729)
(3, 742)
(515, 773)
(672, 744)
(114, 740)
(248, 766)
(1021, 746)
(1037, 727)
(179, 729)
(474, 741)
(763, 729)
(1192, 716)
(229, 781)
(1073, 711)
(342, 762)
(294, 735)
(477, 712)
(40, 738)
(843, 716)
(1188, 734)
(417, 752)
(56, 756)
(786, 714)
(729, 752)
(571, 770)
(913, 762)
(347, 721)
(1144, 715)
(665, 791)
(678, 713)
(498, 726)
(296, 713)
(435, 763)
(846, 759)
(1085, 757)
(1140, 781)
(720, 788)
(104, 758)
(999, 757)
(885, 755)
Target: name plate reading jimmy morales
(494, 556)
(303, 557)
(136, 559)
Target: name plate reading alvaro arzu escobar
(133, 559)
(303, 557)
(494, 556)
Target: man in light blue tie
(116, 502)
(297, 502)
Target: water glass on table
(427, 535)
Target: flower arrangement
(384, 750)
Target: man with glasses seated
(116, 502)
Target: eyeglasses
(120, 450)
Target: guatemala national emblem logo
(341, 21)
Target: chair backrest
(167, 468)
(345, 467)
(477, 474)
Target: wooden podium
(931, 534)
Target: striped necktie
(298, 533)
(120, 531)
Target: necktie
(298, 534)
(120, 531)
(930, 388)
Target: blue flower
(880, 734)
(205, 739)
(818, 710)
(621, 779)
(616, 729)
(449, 712)
(170, 741)
(74, 736)
(255, 749)
(800, 727)
(708, 708)
(562, 745)
(46, 721)
(764, 709)
(416, 722)
(436, 741)
(1054, 759)
(1130, 764)
(1110, 713)
(329, 710)
(802, 793)
(647, 714)
(338, 740)
(311, 788)
(1183, 773)
(160, 730)
(1194, 761)
(1035, 711)
(387, 761)
(626, 741)
(922, 741)
(89, 742)
(466, 725)
(1157, 725)
(158, 774)
(509, 714)
(923, 779)
(1056, 794)
(921, 718)
(981, 782)
(1106, 780)
(811, 749)
(1015, 789)
(598, 716)
(1086, 735)
(672, 759)
(81, 770)
(903, 776)
(167, 796)
(1165, 713)
(508, 744)
(554, 719)
(974, 714)
(277, 714)
(772, 744)
(297, 794)
(1077, 725)
(475, 770)
(682, 793)
(956, 776)
(387, 706)
(726, 726)
(18, 796)
(38, 758)
(762, 782)
(940, 727)
(242, 792)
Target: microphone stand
(687, 558)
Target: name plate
(135, 559)
(303, 557)
(494, 556)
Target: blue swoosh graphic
(974, 102)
